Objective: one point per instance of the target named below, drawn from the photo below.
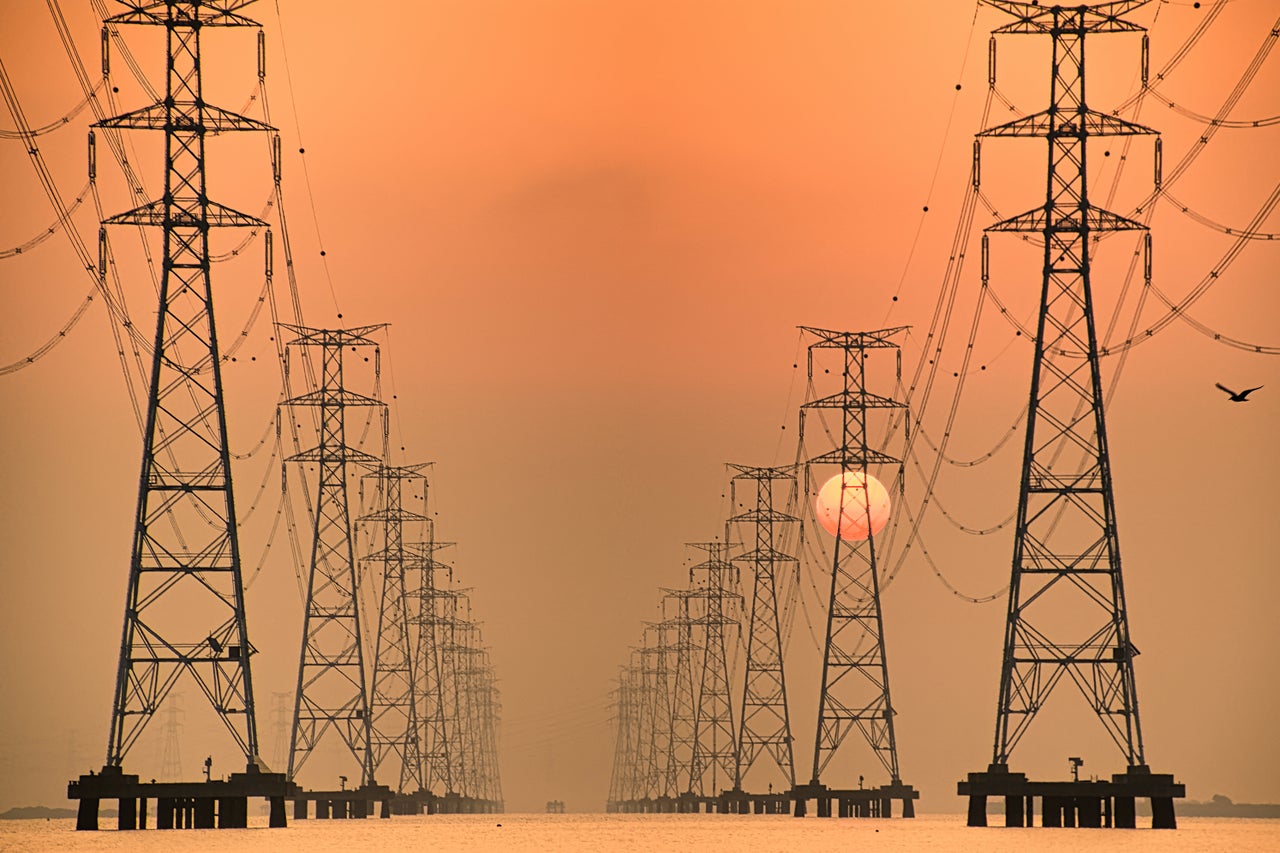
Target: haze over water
(610, 832)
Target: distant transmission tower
(683, 736)
(855, 671)
(435, 612)
(1067, 613)
(332, 691)
(184, 612)
(393, 700)
(714, 584)
(171, 756)
(766, 723)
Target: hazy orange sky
(594, 227)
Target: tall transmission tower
(332, 691)
(1067, 614)
(184, 610)
(184, 614)
(714, 583)
(765, 725)
(393, 701)
(855, 671)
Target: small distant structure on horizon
(555, 806)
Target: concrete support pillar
(278, 819)
(824, 805)
(802, 807)
(1162, 816)
(386, 809)
(886, 807)
(1013, 812)
(204, 808)
(1125, 813)
(908, 807)
(1031, 810)
(299, 809)
(1052, 807)
(165, 809)
(87, 814)
(233, 812)
(128, 813)
(1069, 812)
(142, 813)
(977, 810)
(1089, 812)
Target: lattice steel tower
(184, 611)
(393, 704)
(714, 750)
(855, 670)
(1066, 555)
(1067, 614)
(332, 688)
(435, 613)
(766, 723)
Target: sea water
(601, 833)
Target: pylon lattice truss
(393, 705)
(332, 693)
(854, 693)
(765, 726)
(184, 611)
(1067, 614)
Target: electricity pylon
(435, 612)
(393, 701)
(855, 670)
(332, 691)
(1066, 552)
(683, 736)
(1067, 614)
(765, 723)
(184, 609)
(714, 584)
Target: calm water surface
(591, 833)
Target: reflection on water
(592, 833)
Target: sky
(594, 229)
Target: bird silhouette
(1237, 397)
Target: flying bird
(1241, 397)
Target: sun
(852, 505)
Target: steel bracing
(765, 723)
(393, 706)
(332, 693)
(855, 671)
(1067, 613)
(184, 610)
